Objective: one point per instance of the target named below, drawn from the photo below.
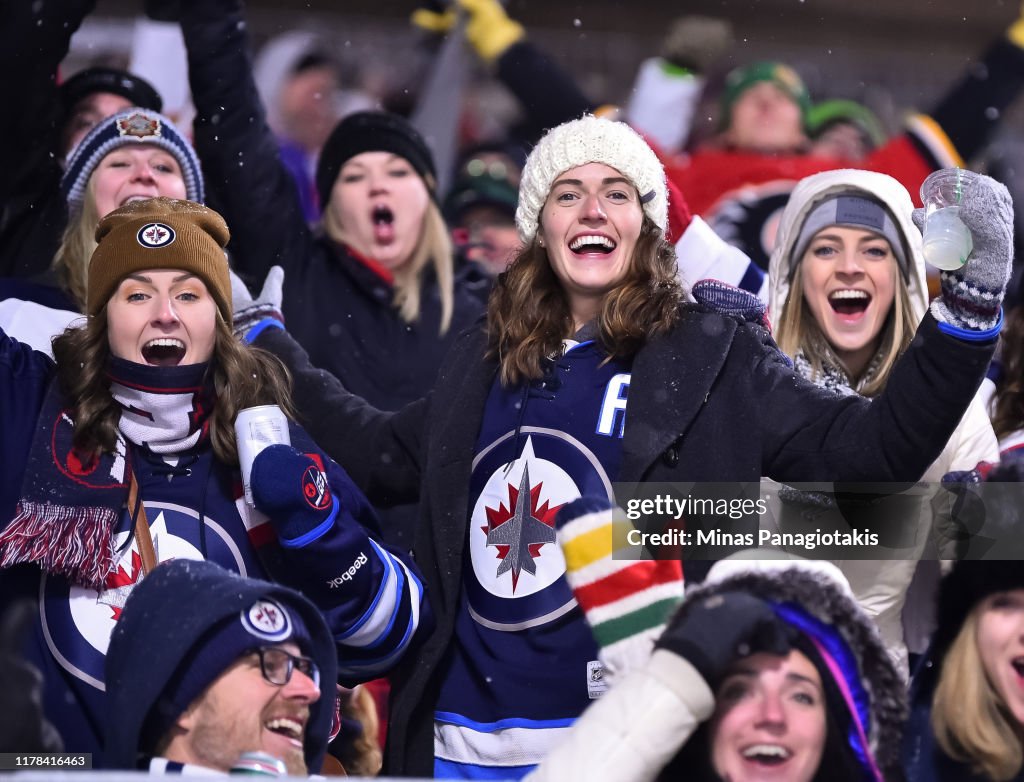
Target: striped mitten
(626, 599)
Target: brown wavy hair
(528, 312)
(1008, 402)
(243, 376)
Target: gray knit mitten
(263, 311)
(973, 294)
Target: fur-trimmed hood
(809, 192)
(823, 593)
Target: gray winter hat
(853, 210)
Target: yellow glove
(489, 29)
(434, 21)
(1016, 31)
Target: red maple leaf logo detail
(121, 579)
(496, 517)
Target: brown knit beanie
(160, 233)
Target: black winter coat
(34, 38)
(338, 310)
(713, 400)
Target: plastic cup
(255, 429)
(947, 241)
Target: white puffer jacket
(881, 586)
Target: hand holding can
(255, 429)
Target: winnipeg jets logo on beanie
(267, 620)
(155, 235)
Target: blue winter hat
(131, 126)
(182, 625)
(266, 622)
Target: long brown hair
(243, 376)
(1008, 402)
(528, 312)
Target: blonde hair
(798, 331)
(433, 245)
(71, 261)
(969, 718)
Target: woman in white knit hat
(530, 412)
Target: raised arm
(248, 184)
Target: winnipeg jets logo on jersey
(519, 533)
(78, 621)
(517, 567)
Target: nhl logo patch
(266, 619)
(139, 126)
(155, 235)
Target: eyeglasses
(495, 169)
(277, 666)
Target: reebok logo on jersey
(349, 574)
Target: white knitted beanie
(590, 140)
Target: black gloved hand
(713, 632)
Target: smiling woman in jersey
(848, 290)
(593, 367)
(121, 452)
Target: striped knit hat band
(131, 126)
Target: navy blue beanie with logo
(181, 628)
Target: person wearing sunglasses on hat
(205, 665)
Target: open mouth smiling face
(590, 225)
(769, 722)
(162, 317)
(849, 278)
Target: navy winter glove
(713, 632)
(973, 294)
(292, 489)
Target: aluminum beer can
(258, 764)
(255, 429)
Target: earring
(540, 240)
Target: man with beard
(206, 665)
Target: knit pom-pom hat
(590, 140)
(131, 126)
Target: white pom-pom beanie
(590, 140)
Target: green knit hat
(746, 76)
(829, 112)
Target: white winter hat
(590, 140)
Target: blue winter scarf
(69, 509)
